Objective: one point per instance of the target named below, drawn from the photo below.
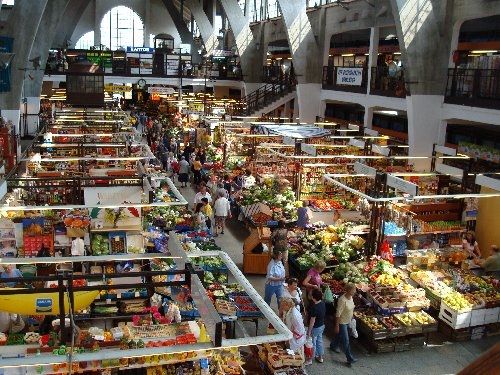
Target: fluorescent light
(485, 51)
(347, 54)
(397, 53)
(389, 113)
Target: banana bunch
(457, 301)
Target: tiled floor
(436, 358)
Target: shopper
(313, 279)
(343, 317)
(183, 171)
(10, 272)
(274, 278)
(295, 323)
(491, 265)
(316, 327)
(227, 183)
(279, 239)
(292, 290)
(222, 210)
(304, 215)
(208, 212)
(197, 171)
(248, 179)
(470, 245)
(202, 193)
(199, 219)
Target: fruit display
(100, 245)
(76, 219)
(422, 317)
(433, 281)
(406, 319)
(331, 204)
(168, 217)
(349, 273)
(331, 244)
(274, 197)
(390, 322)
(117, 242)
(457, 301)
(370, 320)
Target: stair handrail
(265, 94)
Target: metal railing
(266, 95)
(386, 82)
(272, 74)
(474, 87)
(124, 69)
(331, 81)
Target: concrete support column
(147, 22)
(368, 119)
(420, 37)
(97, 24)
(208, 33)
(303, 45)
(372, 55)
(322, 108)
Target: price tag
(108, 300)
(136, 294)
(118, 295)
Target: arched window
(121, 27)
(86, 41)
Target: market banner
(349, 76)
(112, 195)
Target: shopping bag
(328, 295)
(308, 348)
(352, 326)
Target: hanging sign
(402, 185)
(288, 141)
(141, 49)
(361, 168)
(356, 143)
(380, 150)
(308, 149)
(488, 182)
(447, 169)
(445, 150)
(349, 76)
(371, 132)
(109, 87)
(161, 90)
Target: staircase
(268, 97)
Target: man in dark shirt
(317, 311)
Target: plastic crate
(492, 315)
(477, 317)
(453, 318)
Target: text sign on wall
(161, 90)
(349, 76)
(140, 49)
(361, 168)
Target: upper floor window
(121, 27)
(86, 41)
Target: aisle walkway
(438, 358)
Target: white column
(147, 21)
(97, 25)
(454, 42)
(368, 120)
(424, 122)
(372, 54)
(309, 95)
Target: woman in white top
(274, 278)
(295, 323)
(470, 245)
(293, 292)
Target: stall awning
(292, 131)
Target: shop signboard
(349, 76)
(103, 59)
(445, 150)
(455, 172)
(380, 150)
(371, 132)
(402, 185)
(112, 195)
(172, 65)
(356, 143)
(308, 149)
(364, 169)
(109, 87)
(488, 182)
(141, 49)
(161, 90)
(140, 63)
(289, 141)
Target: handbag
(328, 295)
(308, 348)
